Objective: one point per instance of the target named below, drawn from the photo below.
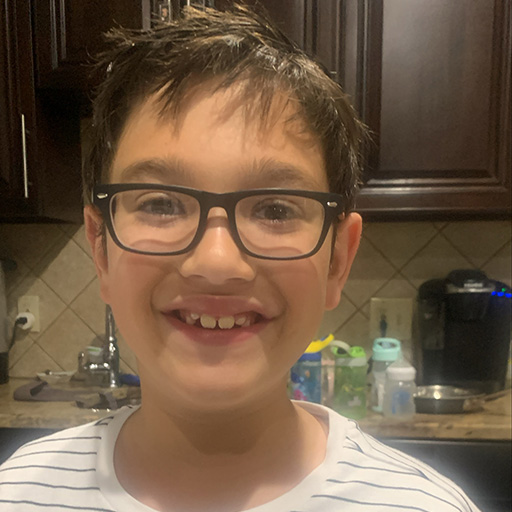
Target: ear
(93, 231)
(348, 235)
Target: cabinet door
(293, 17)
(432, 80)
(69, 32)
(17, 196)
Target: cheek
(131, 280)
(305, 282)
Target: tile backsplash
(54, 263)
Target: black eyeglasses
(274, 224)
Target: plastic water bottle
(306, 378)
(385, 352)
(349, 380)
(399, 390)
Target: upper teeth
(210, 322)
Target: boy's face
(281, 302)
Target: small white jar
(399, 390)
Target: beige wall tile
(50, 257)
(50, 305)
(396, 288)
(81, 240)
(14, 277)
(355, 332)
(370, 272)
(399, 241)
(67, 270)
(334, 319)
(29, 242)
(23, 342)
(478, 241)
(499, 267)
(34, 361)
(434, 261)
(90, 308)
(65, 338)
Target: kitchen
(410, 237)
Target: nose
(217, 258)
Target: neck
(191, 435)
(269, 444)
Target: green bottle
(350, 371)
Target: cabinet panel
(437, 82)
(17, 119)
(432, 80)
(69, 32)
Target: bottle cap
(347, 355)
(314, 356)
(401, 371)
(386, 349)
(318, 345)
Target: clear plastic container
(306, 378)
(399, 389)
(349, 397)
(385, 352)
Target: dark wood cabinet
(432, 80)
(45, 49)
(68, 33)
(17, 110)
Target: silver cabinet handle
(24, 148)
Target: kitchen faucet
(105, 371)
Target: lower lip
(216, 337)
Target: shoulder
(369, 473)
(55, 469)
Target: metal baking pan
(439, 399)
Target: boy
(222, 177)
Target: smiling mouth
(206, 321)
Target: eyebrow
(274, 173)
(154, 169)
(267, 173)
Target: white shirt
(74, 470)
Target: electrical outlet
(393, 315)
(30, 303)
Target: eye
(275, 210)
(160, 205)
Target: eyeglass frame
(103, 193)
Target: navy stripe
(39, 441)
(392, 458)
(48, 467)
(69, 487)
(392, 505)
(60, 505)
(387, 470)
(101, 422)
(396, 456)
(444, 484)
(392, 488)
(52, 451)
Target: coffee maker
(464, 323)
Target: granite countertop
(491, 423)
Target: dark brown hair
(218, 49)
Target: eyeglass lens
(269, 225)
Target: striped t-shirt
(73, 470)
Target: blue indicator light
(502, 294)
